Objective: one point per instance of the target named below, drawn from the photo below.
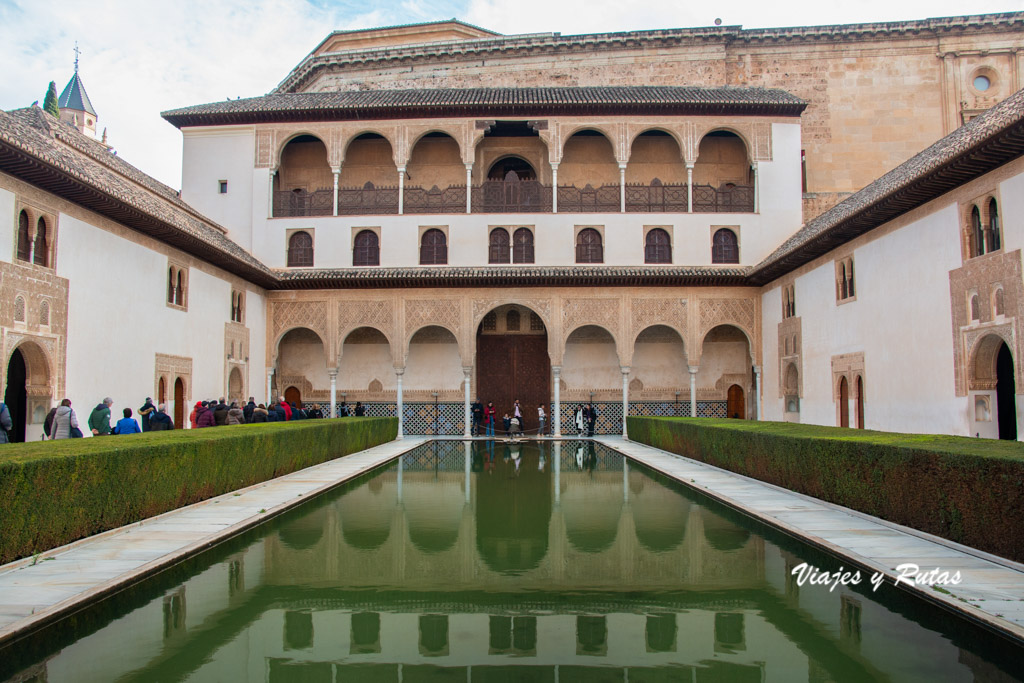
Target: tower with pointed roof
(75, 107)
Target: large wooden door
(736, 405)
(179, 404)
(293, 396)
(514, 366)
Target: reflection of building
(613, 219)
(357, 586)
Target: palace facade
(812, 224)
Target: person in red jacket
(204, 417)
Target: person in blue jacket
(127, 425)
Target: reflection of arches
(659, 514)
(366, 513)
(305, 532)
(723, 535)
(591, 515)
(433, 514)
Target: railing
(291, 203)
(435, 200)
(512, 196)
(604, 199)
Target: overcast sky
(139, 57)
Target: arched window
(860, 402)
(978, 234)
(724, 248)
(179, 289)
(512, 321)
(19, 309)
(300, 250)
(497, 249)
(44, 313)
(490, 322)
(236, 306)
(170, 285)
(433, 248)
(995, 238)
(24, 242)
(366, 251)
(849, 277)
(999, 301)
(39, 253)
(975, 308)
(658, 248)
(588, 247)
(522, 246)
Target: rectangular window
(223, 186)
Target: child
(507, 421)
(517, 426)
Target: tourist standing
(204, 416)
(99, 418)
(145, 412)
(591, 419)
(127, 424)
(247, 411)
(64, 420)
(541, 418)
(260, 415)
(477, 411)
(579, 420)
(490, 416)
(220, 412)
(235, 414)
(517, 411)
(160, 421)
(360, 409)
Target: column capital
(273, 172)
(399, 371)
(335, 170)
(690, 165)
(332, 373)
(693, 369)
(554, 164)
(467, 370)
(757, 370)
(624, 369)
(622, 166)
(556, 369)
(469, 166)
(401, 170)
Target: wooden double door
(514, 366)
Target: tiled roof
(981, 145)
(512, 276)
(54, 156)
(74, 96)
(361, 104)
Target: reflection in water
(488, 562)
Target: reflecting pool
(489, 562)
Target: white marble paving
(37, 589)
(991, 588)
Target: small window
(44, 313)
(977, 233)
(975, 308)
(588, 247)
(366, 251)
(19, 309)
(536, 324)
(490, 322)
(433, 248)
(512, 321)
(658, 248)
(24, 240)
(300, 250)
(788, 302)
(237, 299)
(844, 280)
(177, 285)
(39, 252)
(724, 248)
(982, 83)
(522, 246)
(498, 246)
(999, 301)
(170, 285)
(995, 239)
(222, 186)
(179, 290)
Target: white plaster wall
(213, 154)
(305, 358)
(900, 320)
(118, 320)
(660, 365)
(432, 367)
(771, 316)
(720, 358)
(554, 234)
(256, 320)
(591, 366)
(363, 363)
(8, 228)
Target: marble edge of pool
(36, 591)
(990, 594)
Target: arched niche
(304, 165)
(655, 154)
(590, 362)
(369, 158)
(588, 158)
(366, 358)
(722, 159)
(433, 362)
(301, 359)
(435, 161)
(659, 360)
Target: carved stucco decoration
(171, 368)
(541, 307)
(982, 346)
(648, 312)
(601, 312)
(444, 313)
(739, 312)
(380, 315)
(236, 351)
(848, 365)
(288, 315)
(791, 336)
(264, 148)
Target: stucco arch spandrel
(744, 131)
(542, 307)
(38, 353)
(420, 313)
(740, 313)
(983, 350)
(377, 315)
(602, 312)
(289, 315)
(678, 132)
(349, 132)
(648, 312)
(283, 136)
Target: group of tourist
(484, 420)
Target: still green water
(488, 562)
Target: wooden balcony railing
(514, 196)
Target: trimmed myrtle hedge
(54, 492)
(967, 490)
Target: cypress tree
(50, 105)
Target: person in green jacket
(99, 418)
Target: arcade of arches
(434, 351)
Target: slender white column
(693, 389)
(336, 172)
(554, 187)
(689, 190)
(467, 372)
(469, 188)
(757, 390)
(399, 407)
(557, 412)
(625, 399)
(622, 188)
(270, 201)
(757, 192)
(270, 376)
(333, 374)
(401, 190)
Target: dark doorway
(512, 362)
(1006, 403)
(179, 404)
(844, 403)
(860, 402)
(161, 392)
(16, 395)
(293, 396)
(736, 405)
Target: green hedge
(54, 492)
(967, 490)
